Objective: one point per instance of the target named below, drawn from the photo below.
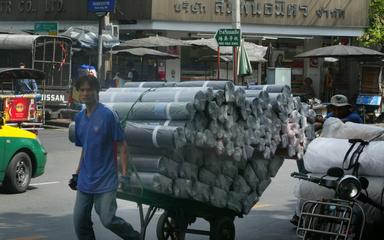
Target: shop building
(288, 26)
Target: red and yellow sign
(17, 109)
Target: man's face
(341, 112)
(87, 94)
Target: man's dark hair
(22, 64)
(91, 80)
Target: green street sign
(228, 37)
(49, 28)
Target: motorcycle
(339, 218)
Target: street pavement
(45, 210)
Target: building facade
(287, 26)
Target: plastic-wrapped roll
(122, 89)
(250, 177)
(249, 202)
(152, 181)
(229, 169)
(154, 110)
(195, 95)
(183, 188)
(149, 84)
(271, 88)
(227, 86)
(110, 97)
(218, 197)
(170, 123)
(240, 185)
(188, 171)
(201, 192)
(274, 165)
(154, 136)
(155, 164)
(262, 186)
(223, 182)
(207, 177)
(235, 200)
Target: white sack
(335, 128)
(324, 153)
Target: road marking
(43, 183)
(30, 238)
(262, 206)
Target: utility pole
(236, 24)
(100, 47)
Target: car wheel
(18, 175)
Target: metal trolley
(330, 219)
(179, 214)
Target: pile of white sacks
(210, 141)
(329, 150)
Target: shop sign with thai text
(291, 12)
(228, 37)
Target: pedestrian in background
(98, 132)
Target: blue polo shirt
(351, 117)
(97, 135)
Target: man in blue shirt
(339, 108)
(99, 133)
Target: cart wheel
(222, 229)
(169, 228)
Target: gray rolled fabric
(218, 197)
(188, 171)
(274, 165)
(183, 188)
(261, 168)
(229, 169)
(240, 185)
(271, 88)
(249, 202)
(201, 192)
(198, 96)
(131, 96)
(154, 136)
(227, 86)
(235, 200)
(149, 84)
(125, 89)
(207, 177)
(223, 182)
(155, 164)
(212, 162)
(193, 155)
(152, 181)
(154, 110)
(262, 186)
(215, 85)
(170, 123)
(251, 178)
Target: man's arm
(122, 146)
(81, 159)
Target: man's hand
(124, 182)
(73, 182)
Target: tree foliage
(374, 34)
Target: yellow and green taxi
(22, 156)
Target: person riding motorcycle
(339, 107)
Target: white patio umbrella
(152, 41)
(255, 52)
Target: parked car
(22, 157)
